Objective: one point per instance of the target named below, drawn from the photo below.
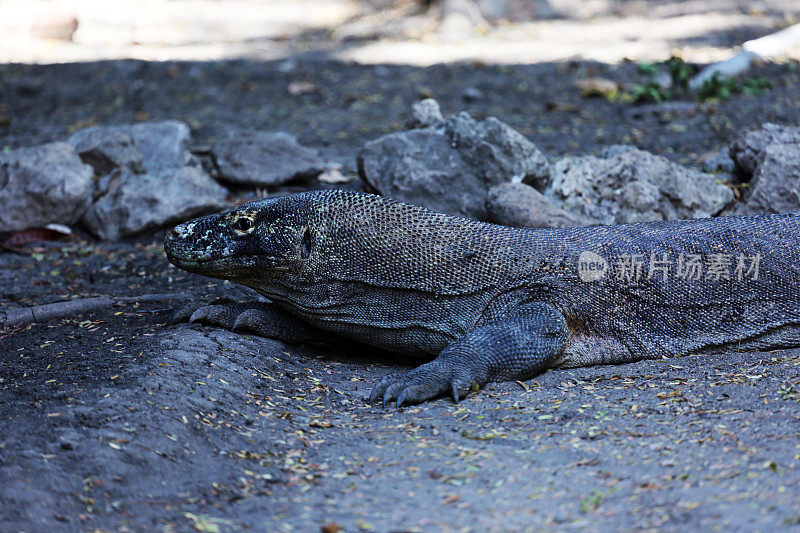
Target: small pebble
(472, 94)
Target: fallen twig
(42, 313)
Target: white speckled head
(248, 241)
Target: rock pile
(119, 181)
(625, 184)
(488, 171)
(147, 178)
(450, 164)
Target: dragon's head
(326, 242)
(255, 240)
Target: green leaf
(648, 69)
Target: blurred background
(417, 32)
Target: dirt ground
(114, 420)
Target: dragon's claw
(425, 382)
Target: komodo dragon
(495, 303)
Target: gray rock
(106, 149)
(148, 178)
(426, 114)
(43, 185)
(451, 168)
(770, 158)
(520, 205)
(248, 157)
(641, 196)
(748, 150)
(630, 185)
(775, 188)
(497, 151)
(420, 167)
(145, 147)
(162, 145)
(130, 203)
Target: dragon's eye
(243, 224)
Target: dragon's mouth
(224, 263)
(204, 260)
(210, 257)
(211, 263)
(190, 254)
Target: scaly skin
(494, 303)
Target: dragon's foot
(217, 313)
(518, 346)
(222, 313)
(425, 382)
(228, 314)
(261, 318)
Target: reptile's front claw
(221, 315)
(187, 313)
(199, 314)
(425, 382)
(393, 391)
(454, 391)
(381, 386)
(250, 319)
(183, 314)
(413, 395)
(401, 399)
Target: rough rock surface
(154, 180)
(248, 157)
(748, 150)
(42, 185)
(131, 203)
(520, 205)
(775, 188)
(630, 185)
(497, 151)
(162, 144)
(420, 167)
(107, 148)
(426, 114)
(769, 158)
(451, 168)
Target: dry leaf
(597, 87)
